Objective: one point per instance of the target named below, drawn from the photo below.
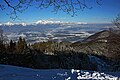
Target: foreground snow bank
(8, 72)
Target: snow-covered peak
(23, 24)
(57, 22)
(8, 23)
(43, 22)
(81, 22)
(11, 24)
(47, 22)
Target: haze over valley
(42, 31)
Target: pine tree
(12, 46)
(21, 45)
(2, 45)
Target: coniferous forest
(97, 52)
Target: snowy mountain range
(44, 30)
(12, 24)
(40, 22)
(57, 22)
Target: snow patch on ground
(8, 72)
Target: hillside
(104, 43)
(100, 52)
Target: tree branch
(69, 6)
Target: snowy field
(8, 72)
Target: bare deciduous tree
(116, 21)
(69, 6)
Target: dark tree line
(38, 55)
(20, 54)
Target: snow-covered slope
(8, 72)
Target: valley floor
(8, 72)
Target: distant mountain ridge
(40, 22)
(104, 35)
(58, 32)
(105, 43)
